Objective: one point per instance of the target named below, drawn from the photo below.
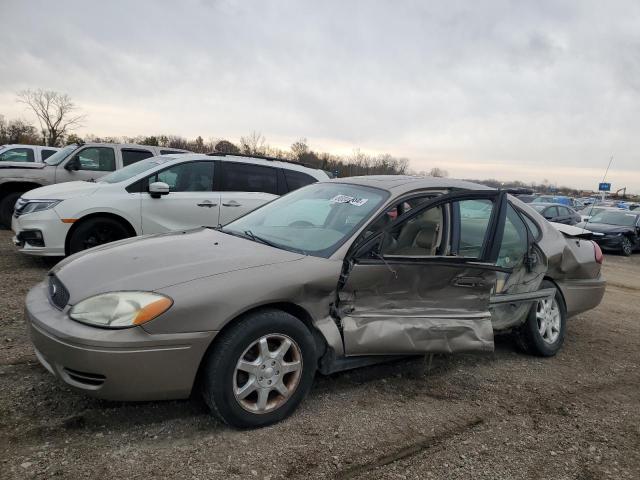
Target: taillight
(598, 253)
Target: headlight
(31, 206)
(120, 309)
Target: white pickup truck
(86, 161)
(25, 153)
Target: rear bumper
(582, 295)
(128, 364)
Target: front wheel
(544, 330)
(6, 208)
(259, 370)
(96, 231)
(626, 247)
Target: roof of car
(550, 204)
(406, 183)
(258, 160)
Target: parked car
(322, 279)
(154, 195)
(621, 229)
(555, 212)
(25, 153)
(561, 199)
(587, 212)
(87, 161)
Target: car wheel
(259, 370)
(6, 208)
(96, 231)
(544, 330)
(626, 247)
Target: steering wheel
(300, 223)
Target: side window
(551, 212)
(130, 156)
(17, 155)
(296, 180)
(101, 159)
(244, 177)
(514, 241)
(393, 212)
(46, 154)
(564, 211)
(187, 177)
(474, 223)
(533, 226)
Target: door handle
(469, 282)
(231, 203)
(207, 203)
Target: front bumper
(128, 364)
(53, 230)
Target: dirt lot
(502, 415)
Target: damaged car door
(423, 284)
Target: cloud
(544, 89)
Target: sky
(513, 90)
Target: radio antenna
(606, 172)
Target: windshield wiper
(256, 238)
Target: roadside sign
(604, 187)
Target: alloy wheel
(549, 320)
(267, 373)
(627, 248)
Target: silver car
(333, 276)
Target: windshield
(615, 218)
(60, 155)
(134, 169)
(314, 220)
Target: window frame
(491, 243)
(138, 150)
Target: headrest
(426, 236)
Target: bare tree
(55, 112)
(253, 144)
(438, 172)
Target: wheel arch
(559, 289)
(130, 229)
(288, 307)
(14, 186)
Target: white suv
(158, 194)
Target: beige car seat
(421, 235)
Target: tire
(234, 395)
(6, 208)
(543, 332)
(627, 247)
(96, 231)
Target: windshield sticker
(357, 202)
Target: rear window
(130, 156)
(295, 180)
(245, 177)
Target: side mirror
(157, 189)
(73, 164)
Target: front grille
(91, 379)
(58, 293)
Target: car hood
(62, 191)
(605, 228)
(156, 261)
(22, 165)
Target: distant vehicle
(87, 161)
(155, 195)
(621, 230)
(561, 199)
(587, 212)
(526, 198)
(555, 212)
(25, 153)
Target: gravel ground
(500, 415)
